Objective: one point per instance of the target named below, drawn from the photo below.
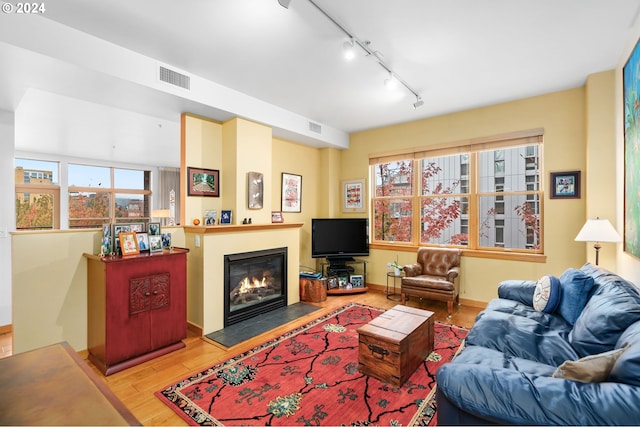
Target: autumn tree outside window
(483, 194)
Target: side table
(394, 296)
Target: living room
(583, 131)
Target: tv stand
(345, 275)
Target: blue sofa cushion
(612, 308)
(522, 336)
(576, 287)
(546, 296)
(476, 355)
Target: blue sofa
(525, 366)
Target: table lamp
(161, 214)
(597, 230)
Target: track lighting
(419, 103)
(391, 83)
(349, 50)
(284, 3)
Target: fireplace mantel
(239, 228)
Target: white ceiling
(288, 64)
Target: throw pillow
(590, 369)
(576, 287)
(546, 296)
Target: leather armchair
(434, 276)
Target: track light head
(419, 103)
(349, 50)
(392, 82)
(284, 3)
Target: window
(482, 195)
(37, 195)
(99, 195)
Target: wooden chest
(394, 344)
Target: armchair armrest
(523, 399)
(412, 270)
(517, 290)
(453, 273)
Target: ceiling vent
(314, 127)
(175, 78)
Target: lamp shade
(160, 213)
(598, 230)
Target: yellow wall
(561, 115)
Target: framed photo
(136, 227)
(106, 247)
(276, 216)
(291, 192)
(155, 243)
(154, 229)
(353, 196)
(117, 229)
(129, 243)
(631, 196)
(565, 185)
(210, 217)
(203, 182)
(357, 280)
(255, 190)
(332, 282)
(143, 241)
(225, 217)
(343, 281)
(166, 240)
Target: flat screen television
(339, 238)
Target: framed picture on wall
(631, 197)
(291, 192)
(203, 182)
(353, 196)
(565, 185)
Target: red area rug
(310, 376)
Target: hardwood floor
(135, 386)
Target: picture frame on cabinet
(166, 240)
(154, 229)
(143, 241)
(357, 281)
(117, 229)
(203, 182)
(129, 243)
(155, 243)
(106, 247)
(210, 218)
(137, 227)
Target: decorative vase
(397, 271)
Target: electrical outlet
(197, 241)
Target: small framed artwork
(210, 217)
(129, 243)
(291, 192)
(203, 182)
(155, 243)
(565, 185)
(276, 216)
(353, 196)
(106, 247)
(332, 282)
(356, 280)
(117, 229)
(143, 241)
(343, 281)
(154, 229)
(166, 240)
(225, 217)
(136, 227)
(255, 190)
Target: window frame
(472, 148)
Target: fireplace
(254, 283)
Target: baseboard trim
(6, 329)
(195, 329)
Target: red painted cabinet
(137, 308)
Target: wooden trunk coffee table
(394, 344)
